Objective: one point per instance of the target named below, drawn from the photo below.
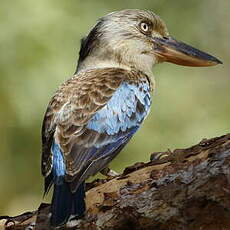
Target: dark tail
(65, 203)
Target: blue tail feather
(78, 208)
(65, 203)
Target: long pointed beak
(170, 50)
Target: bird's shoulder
(86, 81)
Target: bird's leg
(109, 172)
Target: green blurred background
(39, 46)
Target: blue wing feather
(119, 119)
(58, 164)
(117, 114)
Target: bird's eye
(144, 27)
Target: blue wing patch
(127, 108)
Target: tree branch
(188, 189)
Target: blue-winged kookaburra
(94, 114)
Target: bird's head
(136, 39)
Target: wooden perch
(188, 189)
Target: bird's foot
(109, 173)
(157, 156)
(73, 221)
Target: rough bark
(188, 189)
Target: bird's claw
(156, 156)
(109, 173)
(31, 226)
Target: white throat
(96, 63)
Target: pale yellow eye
(144, 27)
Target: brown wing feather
(74, 103)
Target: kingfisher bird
(94, 114)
